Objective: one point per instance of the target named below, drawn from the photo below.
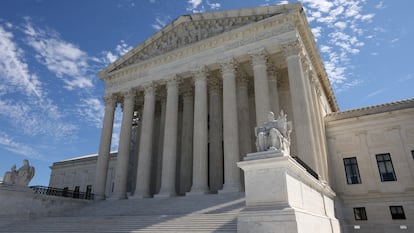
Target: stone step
(163, 223)
(197, 213)
(221, 203)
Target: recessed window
(360, 213)
(352, 171)
(412, 153)
(385, 167)
(397, 212)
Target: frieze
(287, 26)
(188, 33)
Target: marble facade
(192, 94)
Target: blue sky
(50, 51)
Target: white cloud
(340, 26)
(380, 5)
(64, 59)
(195, 6)
(92, 110)
(160, 22)
(10, 144)
(214, 6)
(372, 94)
(13, 69)
(322, 5)
(24, 106)
(34, 118)
(120, 49)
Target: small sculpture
(22, 176)
(274, 134)
(10, 176)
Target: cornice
(288, 18)
(370, 110)
(248, 34)
(315, 57)
(163, 39)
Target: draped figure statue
(274, 134)
(22, 176)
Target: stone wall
(18, 201)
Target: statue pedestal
(282, 197)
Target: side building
(371, 155)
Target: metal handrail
(51, 191)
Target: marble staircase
(198, 213)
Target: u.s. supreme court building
(192, 95)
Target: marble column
(302, 122)
(230, 129)
(245, 140)
(104, 147)
(169, 156)
(215, 135)
(142, 187)
(186, 137)
(244, 116)
(133, 158)
(200, 146)
(124, 145)
(320, 125)
(273, 92)
(309, 98)
(261, 86)
(158, 142)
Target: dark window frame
(397, 212)
(360, 214)
(385, 167)
(352, 174)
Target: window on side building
(397, 212)
(412, 153)
(360, 213)
(385, 167)
(352, 171)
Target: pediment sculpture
(21, 177)
(274, 134)
(190, 32)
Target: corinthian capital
(259, 57)
(149, 88)
(110, 100)
(292, 48)
(130, 94)
(229, 66)
(200, 75)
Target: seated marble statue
(10, 176)
(22, 176)
(274, 134)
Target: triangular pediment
(189, 29)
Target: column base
(116, 197)
(138, 196)
(197, 192)
(231, 188)
(164, 195)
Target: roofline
(196, 16)
(370, 110)
(82, 158)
